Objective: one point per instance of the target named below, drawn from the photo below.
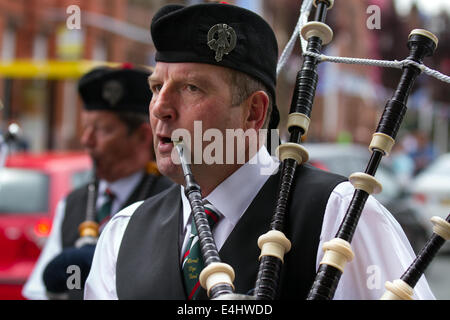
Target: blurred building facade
(349, 100)
(38, 30)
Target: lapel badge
(112, 92)
(224, 42)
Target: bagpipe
(217, 277)
(89, 228)
(55, 275)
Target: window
(23, 191)
(440, 167)
(9, 44)
(80, 178)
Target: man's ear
(257, 106)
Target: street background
(437, 277)
(46, 45)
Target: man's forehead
(98, 114)
(189, 70)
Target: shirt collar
(121, 188)
(238, 188)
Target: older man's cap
(218, 34)
(116, 89)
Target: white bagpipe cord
(381, 63)
(303, 18)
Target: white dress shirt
(382, 251)
(34, 288)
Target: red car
(30, 187)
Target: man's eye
(156, 88)
(192, 88)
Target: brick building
(46, 30)
(349, 98)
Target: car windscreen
(23, 191)
(439, 167)
(81, 177)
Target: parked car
(430, 190)
(30, 187)
(346, 159)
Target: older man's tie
(192, 263)
(104, 213)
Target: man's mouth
(164, 143)
(165, 140)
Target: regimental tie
(104, 213)
(192, 263)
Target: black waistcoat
(148, 265)
(76, 202)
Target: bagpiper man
(216, 70)
(118, 137)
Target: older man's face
(107, 140)
(184, 93)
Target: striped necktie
(104, 213)
(192, 263)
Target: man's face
(184, 93)
(106, 139)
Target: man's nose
(163, 105)
(88, 138)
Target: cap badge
(112, 92)
(224, 42)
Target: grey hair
(133, 120)
(242, 86)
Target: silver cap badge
(225, 41)
(112, 92)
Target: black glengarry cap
(218, 34)
(116, 89)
